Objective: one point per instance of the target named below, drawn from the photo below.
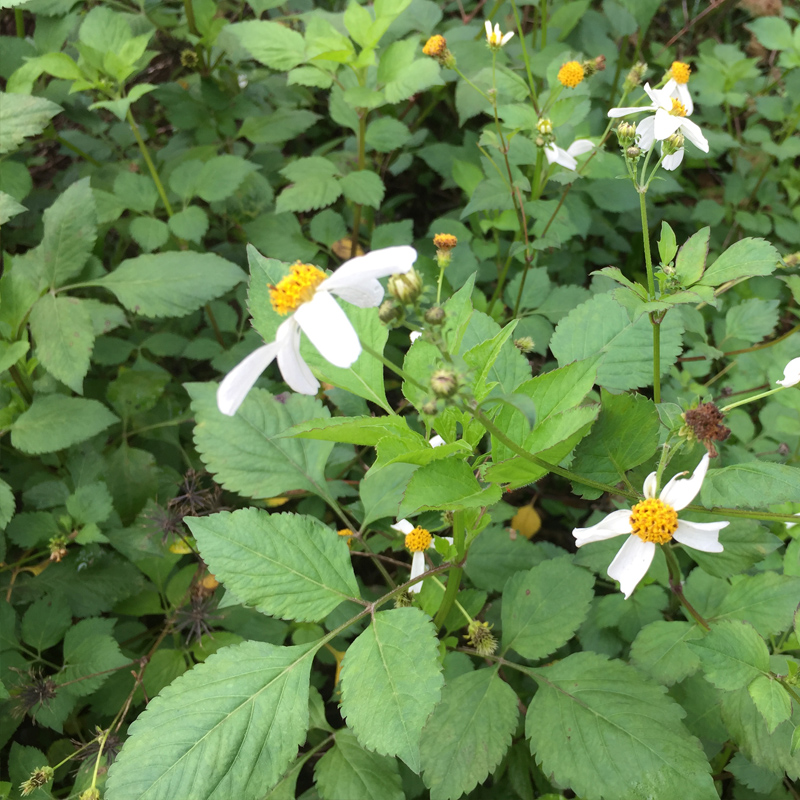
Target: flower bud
(189, 58)
(388, 312)
(524, 344)
(39, 777)
(634, 77)
(90, 794)
(430, 408)
(444, 383)
(58, 547)
(406, 287)
(435, 315)
(633, 153)
(544, 126)
(792, 260)
(626, 133)
(672, 144)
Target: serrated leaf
(755, 484)
(7, 504)
(732, 654)
(221, 176)
(54, 422)
(356, 430)
(661, 650)
(45, 623)
(598, 727)
(771, 700)
(746, 542)
(271, 43)
(247, 453)
(64, 335)
(89, 649)
(767, 601)
(744, 259)
(468, 734)
(751, 320)
(283, 124)
(758, 779)
(191, 224)
(543, 607)
(348, 770)
(9, 208)
(691, 260)
(285, 565)
(22, 115)
(90, 503)
(149, 233)
(364, 187)
(171, 284)
(391, 680)
(227, 728)
(309, 194)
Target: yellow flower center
(435, 46)
(571, 74)
(654, 521)
(296, 288)
(445, 241)
(418, 540)
(680, 72)
(345, 532)
(678, 109)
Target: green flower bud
(388, 311)
(435, 315)
(407, 287)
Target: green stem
(651, 291)
(149, 161)
(23, 382)
(77, 150)
(189, 9)
(656, 359)
(676, 584)
(20, 23)
(362, 144)
(789, 689)
(750, 399)
(469, 82)
(525, 56)
(392, 366)
(213, 320)
(458, 605)
(544, 23)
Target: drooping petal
(686, 98)
(417, 568)
(366, 294)
(377, 264)
(666, 124)
(555, 155)
(615, 524)
(631, 563)
(791, 373)
(506, 37)
(646, 133)
(239, 381)
(700, 535)
(329, 329)
(655, 95)
(625, 110)
(649, 487)
(579, 147)
(403, 526)
(294, 369)
(679, 492)
(673, 160)
(693, 133)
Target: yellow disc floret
(445, 241)
(296, 288)
(678, 109)
(654, 521)
(435, 46)
(418, 540)
(571, 74)
(680, 72)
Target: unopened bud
(388, 312)
(544, 126)
(189, 58)
(39, 777)
(58, 547)
(444, 383)
(792, 260)
(90, 794)
(524, 344)
(626, 133)
(635, 76)
(633, 153)
(435, 315)
(406, 287)
(479, 635)
(430, 408)
(672, 144)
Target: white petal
(506, 37)
(448, 539)
(679, 492)
(671, 88)
(655, 96)
(436, 441)
(403, 526)
(649, 488)
(685, 98)
(497, 31)
(488, 26)
(631, 563)
(329, 330)
(377, 264)
(646, 136)
(555, 155)
(615, 524)
(673, 160)
(239, 381)
(666, 124)
(700, 535)
(294, 369)
(791, 373)
(579, 147)
(625, 110)
(417, 568)
(693, 133)
(366, 294)
(414, 335)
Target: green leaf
(190, 224)
(771, 700)
(149, 233)
(285, 565)
(448, 484)
(136, 391)
(751, 320)
(308, 195)
(773, 33)
(755, 484)
(131, 478)
(598, 727)
(402, 75)
(23, 115)
(70, 230)
(90, 503)
(45, 623)
(89, 648)
(667, 245)
(745, 259)
(468, 734)
(221, 176)
(356, 430)
(171, 284)
(7, 504)
(9, 208)
(348, 770)
(624, 436)
(386, 134)
(543, 607)
(661, 650)
(282, 125)
(274, 45)
(691, 260)
(497, 554)
(746, 542)
(364, 188)
(64, 335)
(732, 654)
(227, 728)
(247, 453)
(759, 779)
(327, 227)
(767, 601)
(391, 680)
(54, 422)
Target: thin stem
(77, 150)
(362, 144)
(213, 320)
(20, 23)
(23, 383)
(656, 359)
(458, 605)
(651, 291)
(676, 584)
(189, 9)
(750, 399)
(450, 594)
(525, 56)
(391, 366)
(149, 161)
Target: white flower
(494, 38)
(677, 85)
(555, 155)
(418, 540)
(307, 294)
(791, 374)
(671, 116)
(654, 521)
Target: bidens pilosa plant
(400, 399)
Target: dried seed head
(704, 424)
(39, 777)
(479, 635)
(524, 344)
(635, 76)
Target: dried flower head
(445, 241)
(635, 75)
(479, 635)
(704, 424)
(195, 618)
(39, 777)
(35, 693)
